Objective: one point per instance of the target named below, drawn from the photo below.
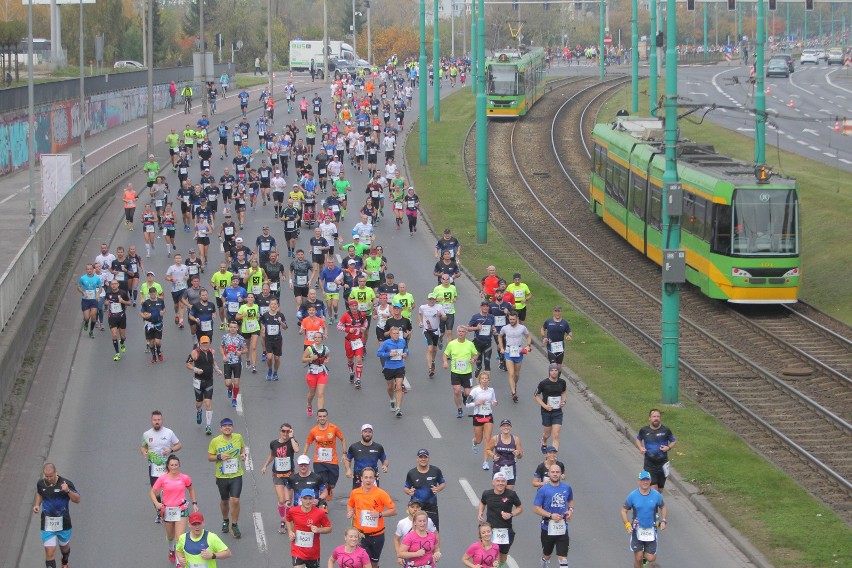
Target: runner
(273, 323)
(363, 454)
(174, 485)
(326, 459)
(497, 507)
(483, 553)
(423, 483)
(152, 312)
(393, 353)
(354, 325)
(510, 343)
(420, 547)
(446, 295)
(350, 554)
(202, 362)
(117, 301)
(249, 316)
(53, 494)
(505, 450)
(649, 512)
(482, 399)
(482, 324)
(554, 503)
(331, 278)
(367, 508)
(430, 315)
(304, 524)
(200, 547)
(178, 275)
(282, 453)
(233, 347)
(89, 285)
(229, 452)
(460, 356)
(551, 395)
(555, 331)
(522, 295)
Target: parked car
(342, 66)
(810, 56)
(128, 64)
(363, 64)
(777, 67)
(835, 56)
(787, 58)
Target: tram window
(700, 222)
(688, 217)
(599, 160)
(638, 196)
(522, 86)
(503, 80)
(765, 222)
(619, 183)
(720, 230)
(655, 210)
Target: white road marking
(239, 406)
(9, 197)
(829, 154)
(339, 259)
(249, 464)
(694, 93)
(802, 142)
(810, 131)
(259, 533)
(431, 427)
(845, 161)
(510, 562)
(468, 490)
(741, 129)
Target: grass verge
(244, 81)
(785, 523)
(825, 195)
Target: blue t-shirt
(231, 294)
(223, 131)
(90, 283)
(553, 499)
(244, 98)
(328, 277)
(644, 507)
(556, 330)
(384, 352)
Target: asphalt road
(86, 413)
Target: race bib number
(158, 203)
(362, 306)
(448, 307)
(89, 294)
(282, 464)
(256, 290)
(171, 514)
(272, 329)
(315, 369)
(557, 347)
(324, 454)
(356, 344)
(396, 355)
(273, 286)
(335, 208)
(645, 535)
(461, 366)
(229, 231)
(301, 280)
(317, 250)
(290, 224)
(374, 194)
(369, 519)
(230, 466)
(243, 272)
(554, 402)
(252, 326)
(374, 275)
(149, 228)
(264, 246)
(193, 269)
(114, 307)
(514, 351)
(508, 471)
(484, 409)
(556, 528)
(53, 524)
(196, 384)
(119, 276)
(180, 285)
(519, 296)
(499, 321)
(667, 468)
(206, 325)
(233, 307)
(331, 286)
(484, 330)
(158, 470)
(304, 539)
(500, 536)
(398, 205)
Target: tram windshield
(765, 222)
(502, 80)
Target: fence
(27, 263)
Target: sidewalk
(14, 188)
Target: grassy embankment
(782, 520)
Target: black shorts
(290, 235)
(278, 196)
(561, 543)
(373, 544)
(300, 291)
(431, 338)
(233, 370)
(305, 563)
(549, 418)
(636, 545)
(205, 391)
(466, 381)
(318, 258)
(658, 477)
(170, 232)
(504, 548)
(522, 313)
(154, 333)
(329, 472)
(555, 357)
(213, 206)
(274, 346)
(219, 302)
(229, 487)
(448, 324)
(178, 296)
(119, 322)
(203, 241)
(185, 207)
(391, 374)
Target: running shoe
(263, 357)
(485, 466)
(222, 326)
(123, 348)
(159, 357)
(92, 334)
(474, 446)
(117, 357)
(432, 371)
(177, 320)
(502, 366)
(134, 303)
(514, 397)
(459, 413)
(172, 557)
(275, 376)
(147, 348)
(310, 410)
(254, 370)
(351, 378)
(186, 228)
(544, 448)
(198, 416)
(392, 405)
(180, 325)
(440, 344)
(269, 375)
(399, 413)
(157, 519)
(208, 431)
(357, 383)
(236, 530)
(225, 526)
(101, 325)
(282, 528)
(234, 402)
(545, 563)
(230, 393)
(85, 325)
(153, 359)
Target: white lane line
(431, 427)
(845, 161)
(814, 148)
(339, 259)
(802, 142)
(510, 562)
(249, 464)
(259, 533)
(468, 490)
(8, 198)
(829, 154)
(239, 406)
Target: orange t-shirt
(326, 450)
(377, 501)
(311, 325)
(129, 199)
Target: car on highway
(128, 64)
(835, 56)
(810, 56)
(777, 67)
(787, 58)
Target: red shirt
(307, 544)
(353, 326)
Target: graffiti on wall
(57, 125)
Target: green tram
(740, 223)
(513, 82)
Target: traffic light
(809, 5)
(732, 5)
(772, 5)
(690, 5)
(659, 39)
(762, 174)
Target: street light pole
(81, 114)
(269, 45)
(436, 61)
(369, 36)
(424, 154)
(481, 132)
(203, 49)
(325, 40)
(354, 31)
(150, 114)
(634, 59)
(759, 94)
(652, 60)
(31, 118)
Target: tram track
(780, 415)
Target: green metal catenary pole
(671, 225)
(436, 60)
(805, 33)
(706, 47)
(739, 21)
(473, 68)
(787, 26)
(424, 153)
(652, 60)
(481, 133)
(759, 93)
(634, 58)
(602, 51)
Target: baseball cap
(422, 452)
(307, 493)
(353, 302)
(150, 155)
(517, 275)
(191, 251)
(277, 171)
(505, 422)
(397, 305)
(447, 230)
(366, 427)
(483, 303)
(227, 213)
(389, 275)
(352, 261)
(204, 339)
(150, 273)
(644, 475)
(239, 239)
(414, 501)
(557, 308)
(196, 518)
(500, 475)
(303, 460)
(550, 449)
(224, 421)
(356, 237)
(430, 296)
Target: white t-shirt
(179, 273)
(481, 400)
(514, 335)
(158, 440)
(405, 526)
(364, 230)
(103, 262)
(431, 316)
(328, 230)
(389, 143)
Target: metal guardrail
(27, 263)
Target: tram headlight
(792, 272)
(740, 273)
